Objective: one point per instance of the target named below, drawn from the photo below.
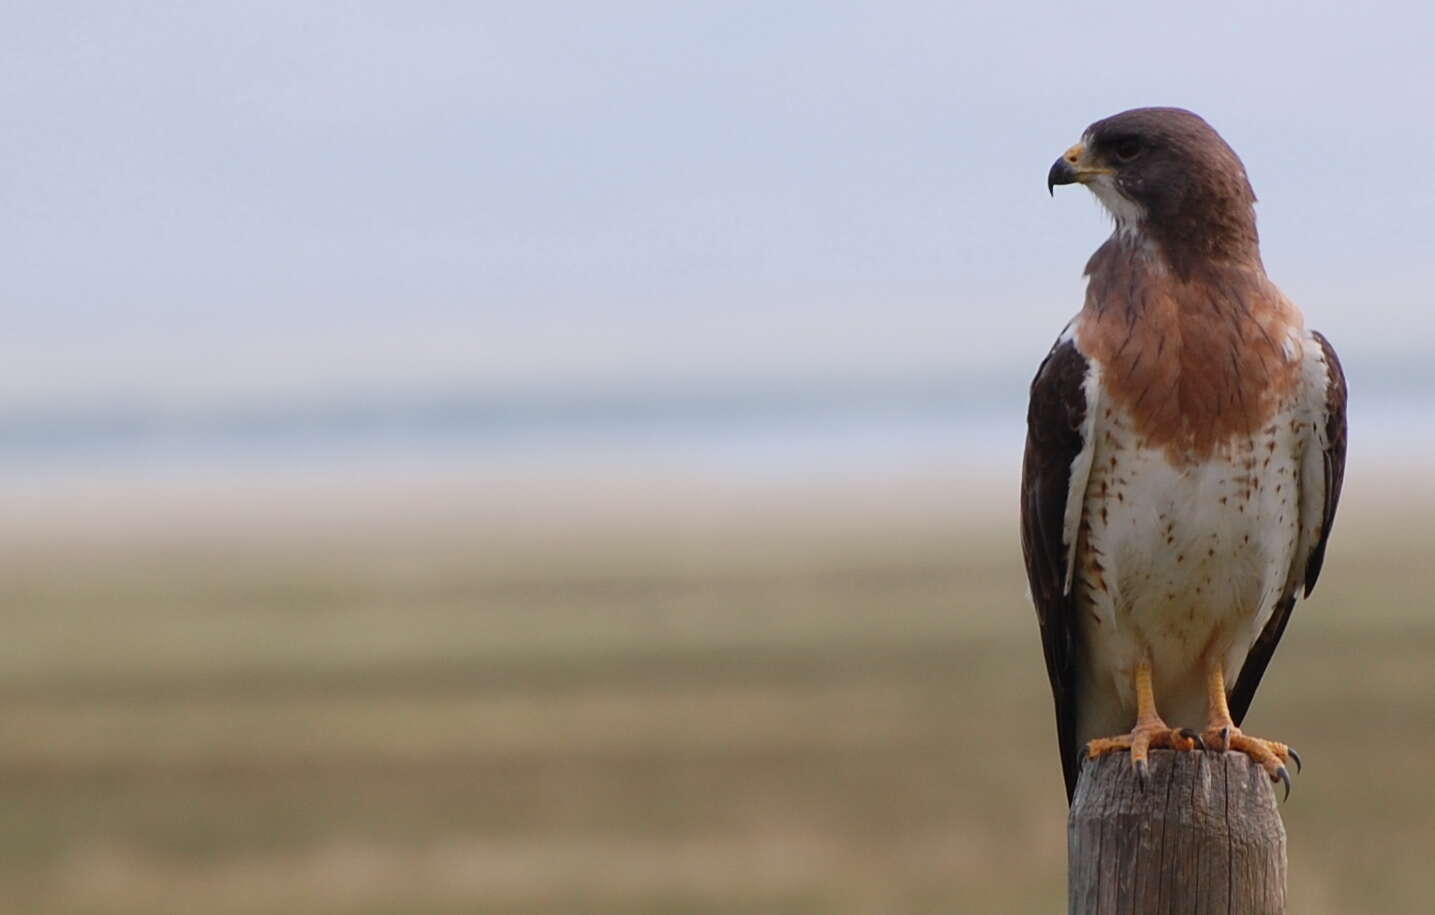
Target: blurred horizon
(741, 423)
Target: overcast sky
(268, 197)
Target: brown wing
(1335, 396)
(1333, 462)
(1054, 439)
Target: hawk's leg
(1150, 731)
(1222, 733)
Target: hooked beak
(1074, 167)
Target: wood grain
(1202, 835)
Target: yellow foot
(1153, 735)
(1272, 755)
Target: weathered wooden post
(1200, 836)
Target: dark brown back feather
(1053, 440)
(1265, 646)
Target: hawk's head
(1166, 174)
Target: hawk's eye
(1127, 149)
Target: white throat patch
(1128, 214)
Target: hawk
(1184, 455)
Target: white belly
(1179, 565)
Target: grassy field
(619, 696)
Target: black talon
(1225, 739)
(1141, 770)
(1295, 756)
(1193, 736)
(1284, 775)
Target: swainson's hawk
(1184, 455)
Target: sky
(264, 200)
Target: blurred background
(562, 458)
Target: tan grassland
(443, 691)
